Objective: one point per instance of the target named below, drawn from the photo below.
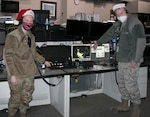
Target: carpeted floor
(91, 106)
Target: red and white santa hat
(117, 6)
(22, 13)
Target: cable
(116, 71)
(50, 84)
(117, 36)
(115, 64)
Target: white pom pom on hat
(117, 6)
(22, 13)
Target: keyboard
(87, 63)
(61, 66)
(55, 67)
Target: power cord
(115, 62)
(116, 71)
(48, 83)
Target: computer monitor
(10, 6)
(40, 16)
(77, 28)
(81, 52)
(56, 53)
(58, 33)
(97, 29)
(40, 33)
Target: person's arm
(9, 52)
(8, 56)
(107, 36)
(139, 33)
(37, 56)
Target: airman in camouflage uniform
(130, 35)
(127, 82)
(20, 56)
(21, 95)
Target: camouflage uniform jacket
(132, 40)
(18, 56)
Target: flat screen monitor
(56, 53)
(10, 6)
(81, 52)
(77, 28)
(41, 35)
(58, 33)
(40, 16)
(97, 29)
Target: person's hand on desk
(94, 46)
(48, 63)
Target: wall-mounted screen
(10, 6)
(81, 52)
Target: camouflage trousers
(20, 95)
(128, 82)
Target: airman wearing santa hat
(129, 34)
(22, 13)
(20, 56)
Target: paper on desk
(100, 52)
(106, 47)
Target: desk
(59, 96)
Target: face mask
(122, 19)
(27, 26)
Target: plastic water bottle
(46, 23)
